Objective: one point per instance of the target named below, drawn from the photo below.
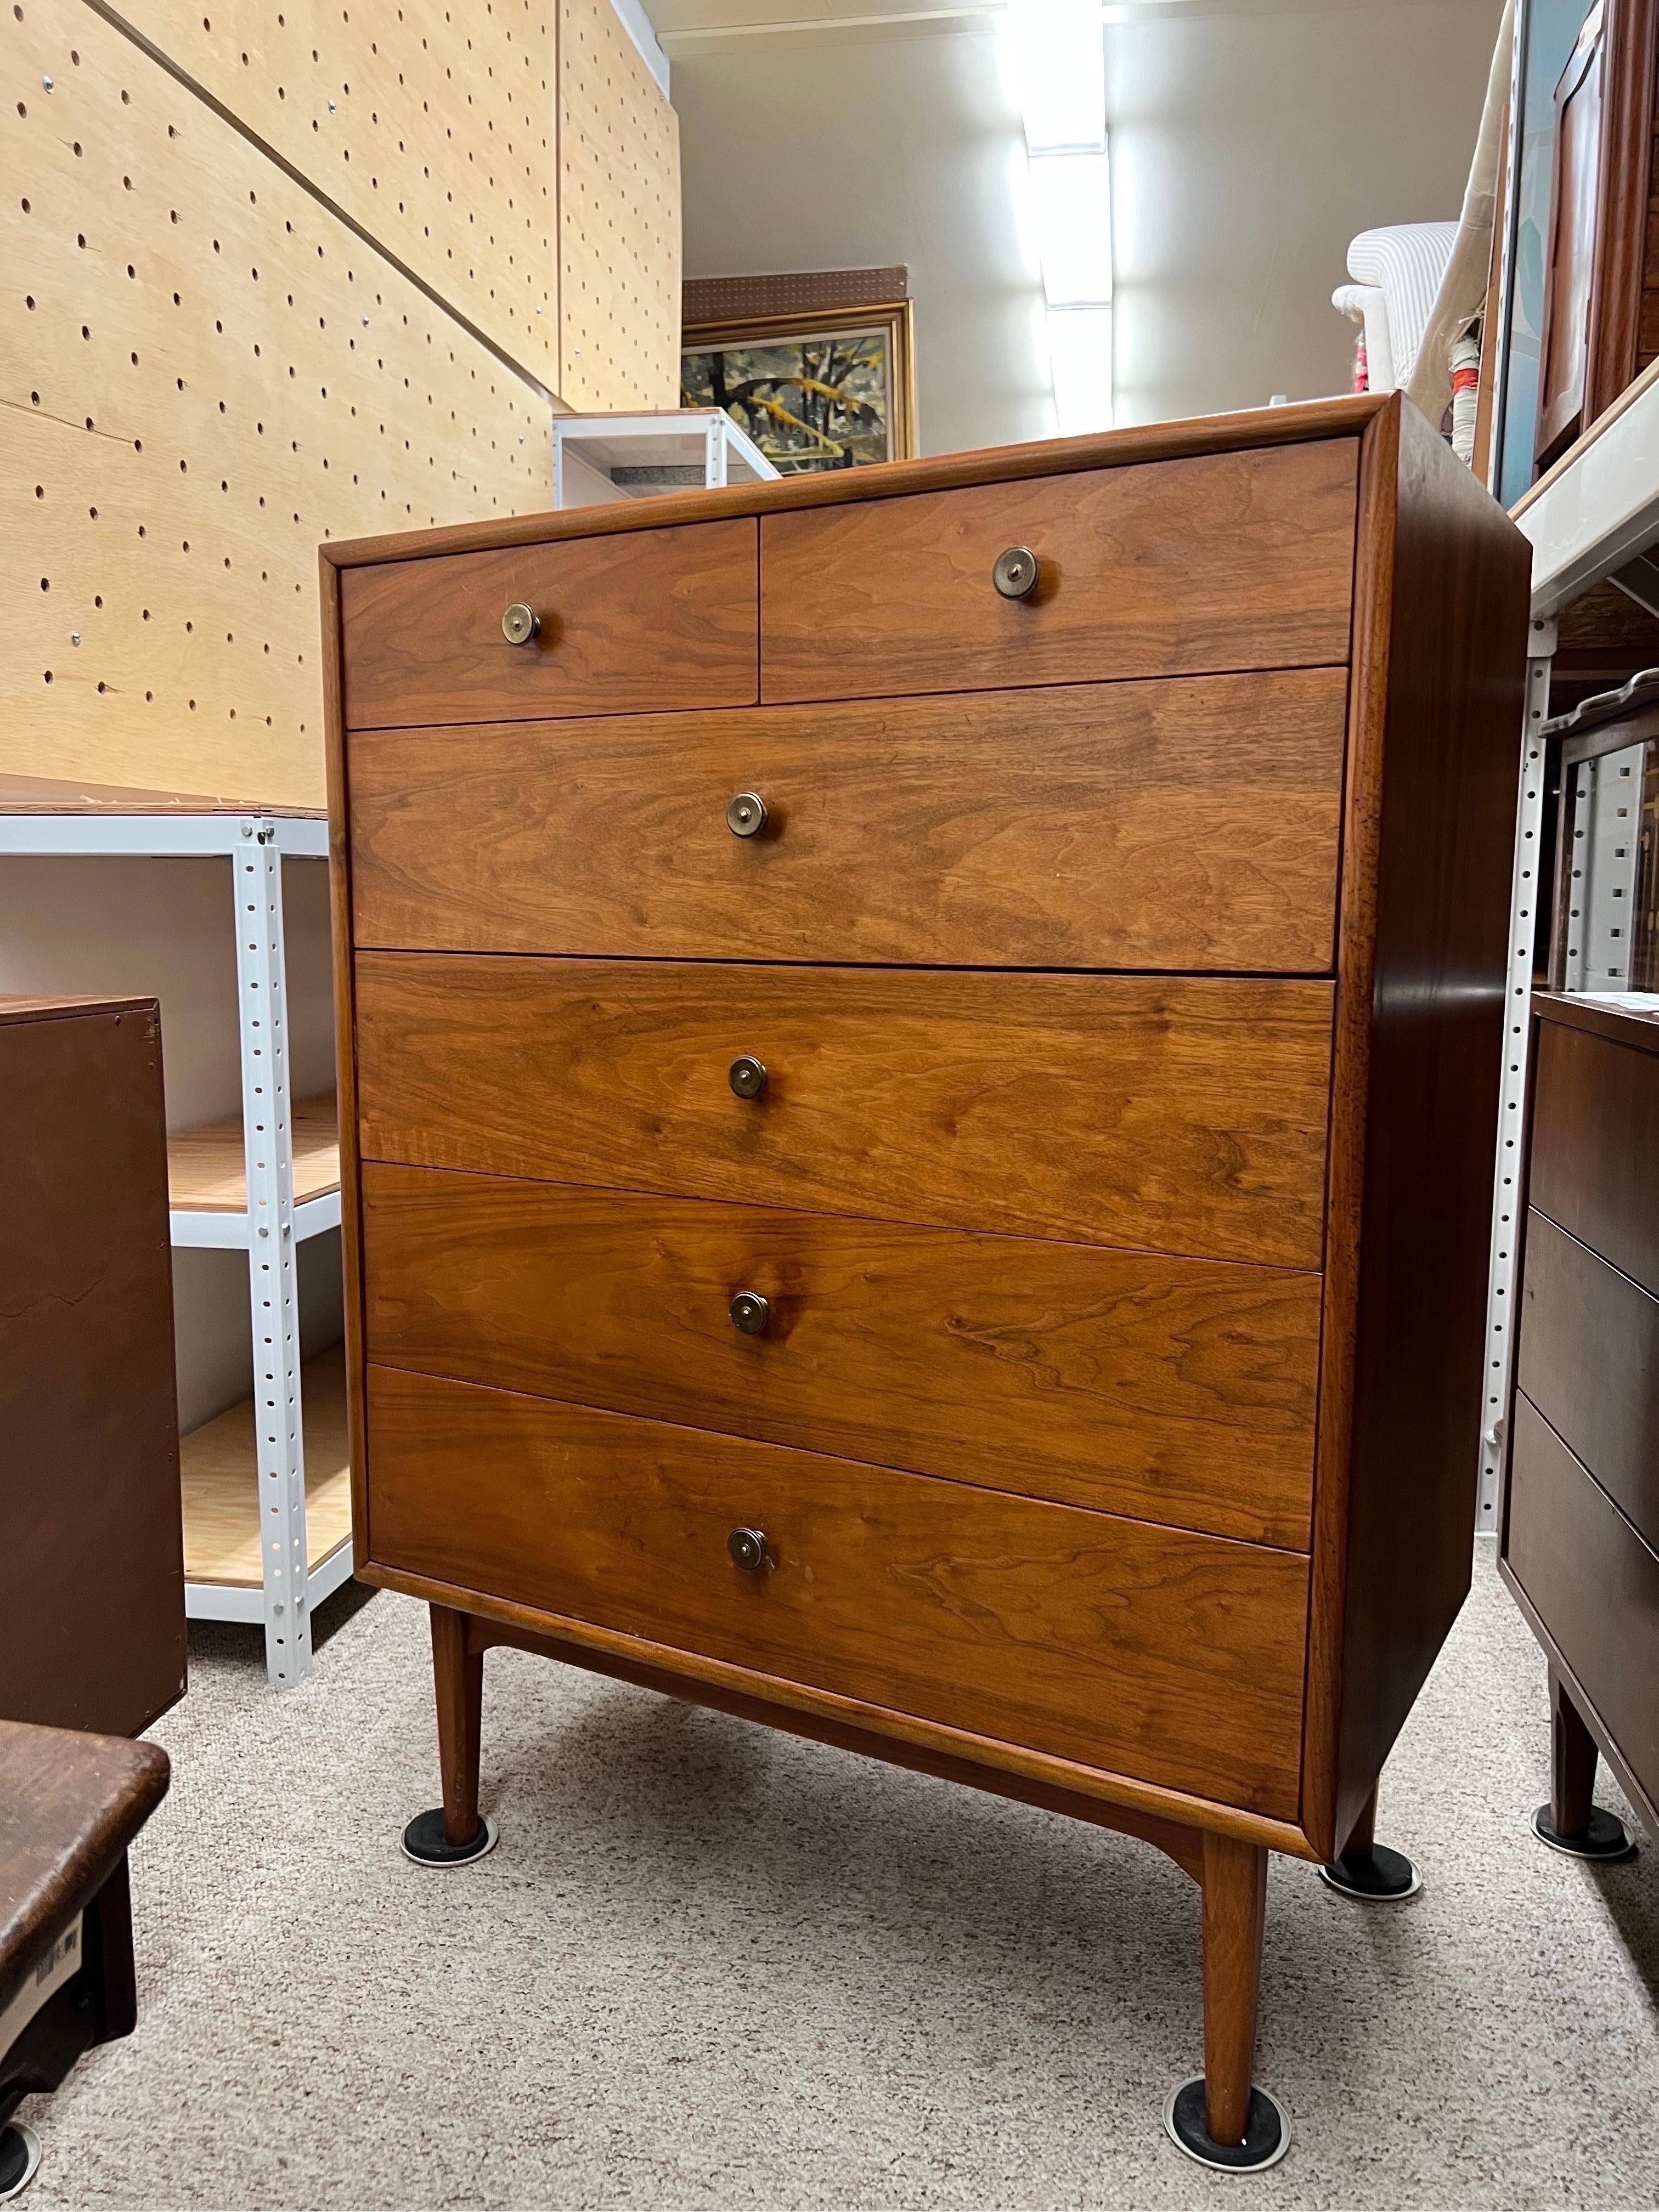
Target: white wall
(1253, 138)
(162, 929)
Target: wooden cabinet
(92, 1578)
(937, 1201)
(1580, 1526)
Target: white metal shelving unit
(259, 1546)
(1594, 513)
(601, 458)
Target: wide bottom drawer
(1592, 1581)
(1156, 1653)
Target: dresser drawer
(631, 621)
(1176, 1390)
(1178, 825)
(1165, 568)
(1595, 1139)
(1187, 1115)
(1151, 1652)
(1592, 1581)
(1590, 1362)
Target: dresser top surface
(1254, 429)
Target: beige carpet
(711, 1966)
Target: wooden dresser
(921, 1053)
(1580, 1530)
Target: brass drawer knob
(750, 1311)
(747, 1076)
(1015, 573)
(747, 1549)
(745, 815)
(521, 625)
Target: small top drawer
(1223, 561)
(1595, 1133)
(628, 620)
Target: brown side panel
(1593, 1583)
(1589, 1359)
(92, 1610)
(1437, 853)
(1180, 825)
(1151, 1652)
(1176, 1390)
(639, 620)
(1178, 568)
(1183, 1113)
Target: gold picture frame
(817, 389)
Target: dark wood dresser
(92, 1570)
(1580, 1526)
(922, 1052)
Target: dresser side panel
(1448, 753)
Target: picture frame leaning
(817, 389)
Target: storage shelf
(207, 1177)
(219, 1475)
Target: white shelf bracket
(268, 1139)
(1526, 896)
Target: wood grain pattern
(1254, 429)
(1595, 1585)
(1440, 625)
(1182, 1840)
(1178, 1391)
(207, 1168)
(1184, 1114)
(628, 624)
(1221, 561)
(1235, 1889)
(458, 1678)
(1172, 1656)
(1589, 1359)
(1594, 1139)
(1189, 824)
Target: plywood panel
(219, 1473)
(430, 125)
(619, 218)
(203, 374)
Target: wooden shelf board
(42, 794)
(219, 1470)
(206, 1170)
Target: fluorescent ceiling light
(1057, 64)
(1072, 218)
(1081, 359)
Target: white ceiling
(1251, 139)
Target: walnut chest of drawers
(921, 1053)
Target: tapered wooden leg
(1234, 1916)
(1363, 1836)
(1572, 1822)
(457, 1677)
(1573, 1765)
(451, 1833)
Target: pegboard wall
(619, 218)
(204, 373)
(430, 123)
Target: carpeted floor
(709, 1965)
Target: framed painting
(832, 388)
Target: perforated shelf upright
(266, 1484)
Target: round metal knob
(521, 625)
(747, 1549)
(751, 1312)
(747, 1076)
(1015, 573)
(745, 815)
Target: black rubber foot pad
(1266, 2132)
(425, 1842)
(1606, 1837)
(20, 2153)
(1382, 1877)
